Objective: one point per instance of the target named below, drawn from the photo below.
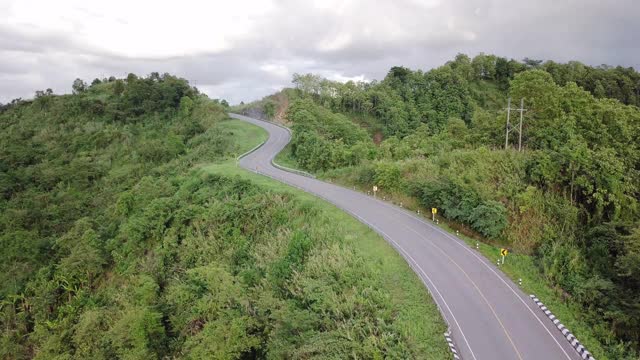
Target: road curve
(489, 317)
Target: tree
(531, 63)
(484, 66)
(490, 218)
(269, 109)
(544, 126)
(398, 75)
(506, 70)
(138, 334)
(83, 258)
(599, 90)
(308, 83)
(462, 65)
(78, 86)
(186, 106)
(628, 263)
(118, 87)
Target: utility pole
(510, 127)
(506, 140)
(520, 131)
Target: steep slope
(127, 231)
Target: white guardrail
(249, 152)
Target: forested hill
(128, 232)
(73, 170)
(570, 199)
(68, 157)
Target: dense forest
(117, 244)
(571, 198)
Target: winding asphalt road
(489, 317)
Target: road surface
(489, 317)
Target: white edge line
(464, 245)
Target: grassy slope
(417, 314)
(245, 136)
(286, 158)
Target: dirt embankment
(257, 111)
(282, 106)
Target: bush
(387, 176)
(489, 218)
(461, 203)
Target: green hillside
(127, 232)
(569, 203)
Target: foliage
(270, 109)
(116, 245)
(571, 198)
(323, 140)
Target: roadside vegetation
(568, 204)
(128, 232)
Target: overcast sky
(243, 50)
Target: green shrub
(489, 218)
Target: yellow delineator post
(434, 211)
(504, 253)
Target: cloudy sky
(245, 49)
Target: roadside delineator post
(452, 346)
(584, 353)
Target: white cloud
(343, 79)
(243, 49)
(153, 29)
(335, 43)
(276, 69)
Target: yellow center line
(477, 288)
